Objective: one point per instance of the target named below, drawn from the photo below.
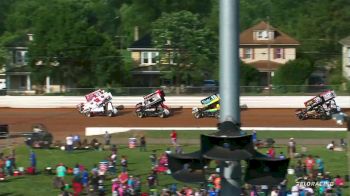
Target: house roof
(247, 36)
(265, 66)
(144, 42)
(345, 41)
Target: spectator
(8, 166)
(338, 181)
(272, 152)
(85, 178)
(153, 158)
(33, 159)
(310, 163)
(143, 144)
(151, 180)
(137, 185)
(107, 137)
(69, 143)
(320, 165)
(173, 137)
(281, 156)
(124, 163)
(76, 170)
(131, 182)
(95, 144)
(61, 171)
(114, 149)
(77, 186)
(254, 137)
(330, 146)
(178, 150)
(274, 192)
(291, 147)
(123, 177)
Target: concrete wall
(172, 101)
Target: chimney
(136, 33)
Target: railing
(289, 90)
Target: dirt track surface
(62, 122)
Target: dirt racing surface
(62, 122)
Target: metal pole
(230, 87)
(229, 60)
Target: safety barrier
(172, 101)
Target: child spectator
(124, 163)
(320, 165)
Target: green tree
(65, 34)
(182, 37)
(293, 73)
(249, 75)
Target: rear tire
(162, 115)
(109, 113)
(139, 114)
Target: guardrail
(172, 101)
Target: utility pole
(268, 56)
(230, 88)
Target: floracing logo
(314, 183)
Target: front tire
(197, 115)
(217, 115)
(88, 114)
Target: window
(21, 57)
(144, 58)
(264, 35)
(348, 56)
(149, 58)
(279, 53)
(154, 57)
(247, 53)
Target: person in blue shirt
(320, 164)
(33, 159)
(254, 137)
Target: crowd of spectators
(309, 171)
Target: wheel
(197, 115)
(217, 115)
(88, 114)
(139, 114)
(324, 117)
(162, 115)
(109, 113)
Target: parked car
(210, 86)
